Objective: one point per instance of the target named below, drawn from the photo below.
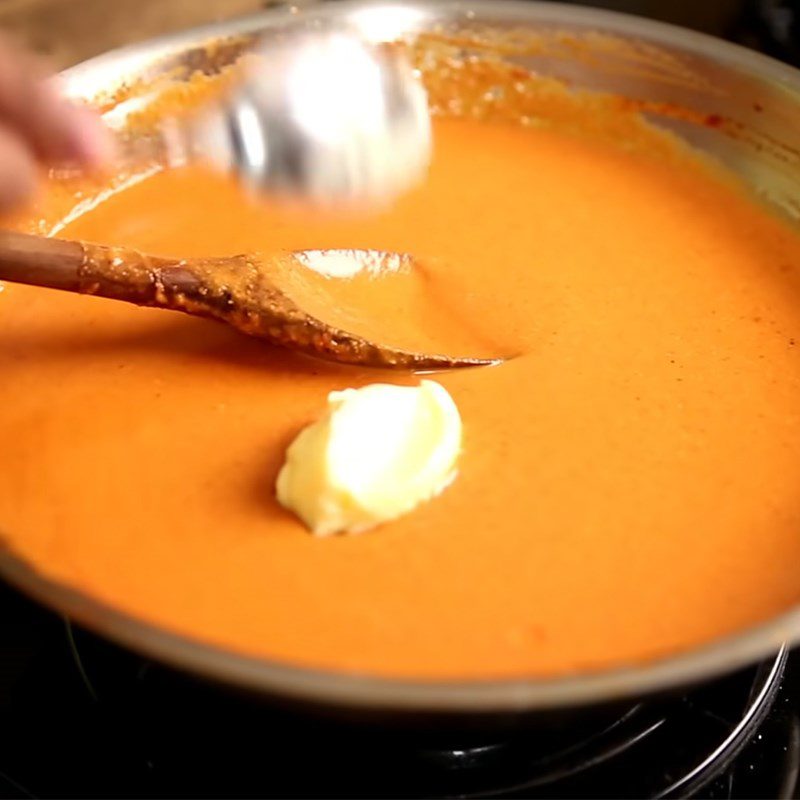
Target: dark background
(69, 31)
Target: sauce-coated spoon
(240, 290)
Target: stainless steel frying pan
(740, 106)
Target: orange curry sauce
(629, 486)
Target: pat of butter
(376, 453)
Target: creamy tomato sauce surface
(630, 482)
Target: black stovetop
(82, 718)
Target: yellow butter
(376, 454)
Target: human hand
(38, 126)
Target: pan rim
(361, 690)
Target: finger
(55, 129)
(18, 173)
(90, 141)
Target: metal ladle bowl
(316, 116)
(321, 116)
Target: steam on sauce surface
(629, 486)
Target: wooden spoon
(239, 290)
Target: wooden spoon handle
(39, 261)
(115, 272)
